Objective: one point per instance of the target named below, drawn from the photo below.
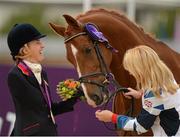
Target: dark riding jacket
(31, 107)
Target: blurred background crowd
(160, 18)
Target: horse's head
(90, 53)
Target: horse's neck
(121, 36)
(125, 35)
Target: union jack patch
(148, 103)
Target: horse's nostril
(97, 99)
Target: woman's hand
(133, 93)
(104, 115)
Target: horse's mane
(121, 16)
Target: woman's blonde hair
(24, 52)
(149, 70)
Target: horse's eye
(88, 50)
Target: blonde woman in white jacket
(159, 92)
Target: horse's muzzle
(100, 97)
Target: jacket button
(49, 116)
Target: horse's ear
(71, 21)
(57, 28)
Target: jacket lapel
(45, 79)
(28, 73)
(32, 79)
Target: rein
(109, 77)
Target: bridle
(97, 37)
(109, 77)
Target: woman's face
(36, 51)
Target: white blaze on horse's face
(89, 101)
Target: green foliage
(165, 25)
(33, 14)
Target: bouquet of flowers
(68, 88)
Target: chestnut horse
(122, 35)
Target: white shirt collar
(35, 67)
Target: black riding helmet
(21, 34)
